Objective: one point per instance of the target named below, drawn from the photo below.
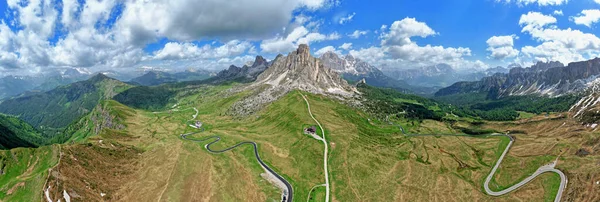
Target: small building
(198, 124)
(310, 130)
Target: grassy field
(25, 172)
(525, 115)
(370, 160)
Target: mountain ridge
(547, 79)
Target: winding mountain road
(287, 193)
(324, 140)
(541, 170)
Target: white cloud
(346, 46)
(587, 17)
(501, 47)
(559, 12)
(534, 20)
(175, 50)
(357, 33)
(538, 2)
(83, 33)
(327, 49)
(597, 1)
(397, 50)
(564, 45)
(346, 19)
(401, 31)
(300, 35)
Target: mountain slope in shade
(59, 107)
(16, 133)
(354, 69)
(549, 79)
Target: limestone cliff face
(296, 71)
(300, 70)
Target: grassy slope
(16, 133)
(25, 172)
(369, 161)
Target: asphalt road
(289, 195)
(541, 170)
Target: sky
(41, 35)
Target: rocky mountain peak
(349, 57)
(300, 70)
(259, 61)
(303, 49)
(330, 55)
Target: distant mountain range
(354, 69)
(14, 85)
(548, 79)
(242, 74)
(440, 75)
(153, 78)
(69, 102)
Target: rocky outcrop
(549, 79)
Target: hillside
(16, 133)
(450, 164)
(59, 107)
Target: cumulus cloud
(346, 46)
(587, 17)
(176, 50)
(538, 2)
(300, 35)
(327, 49)
(397, 50)
(501, 47)
(401, 31)
(564, 45)
(113, 33)
(346, 19)
(358, 33)
(535, 20)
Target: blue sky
(38, 35)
